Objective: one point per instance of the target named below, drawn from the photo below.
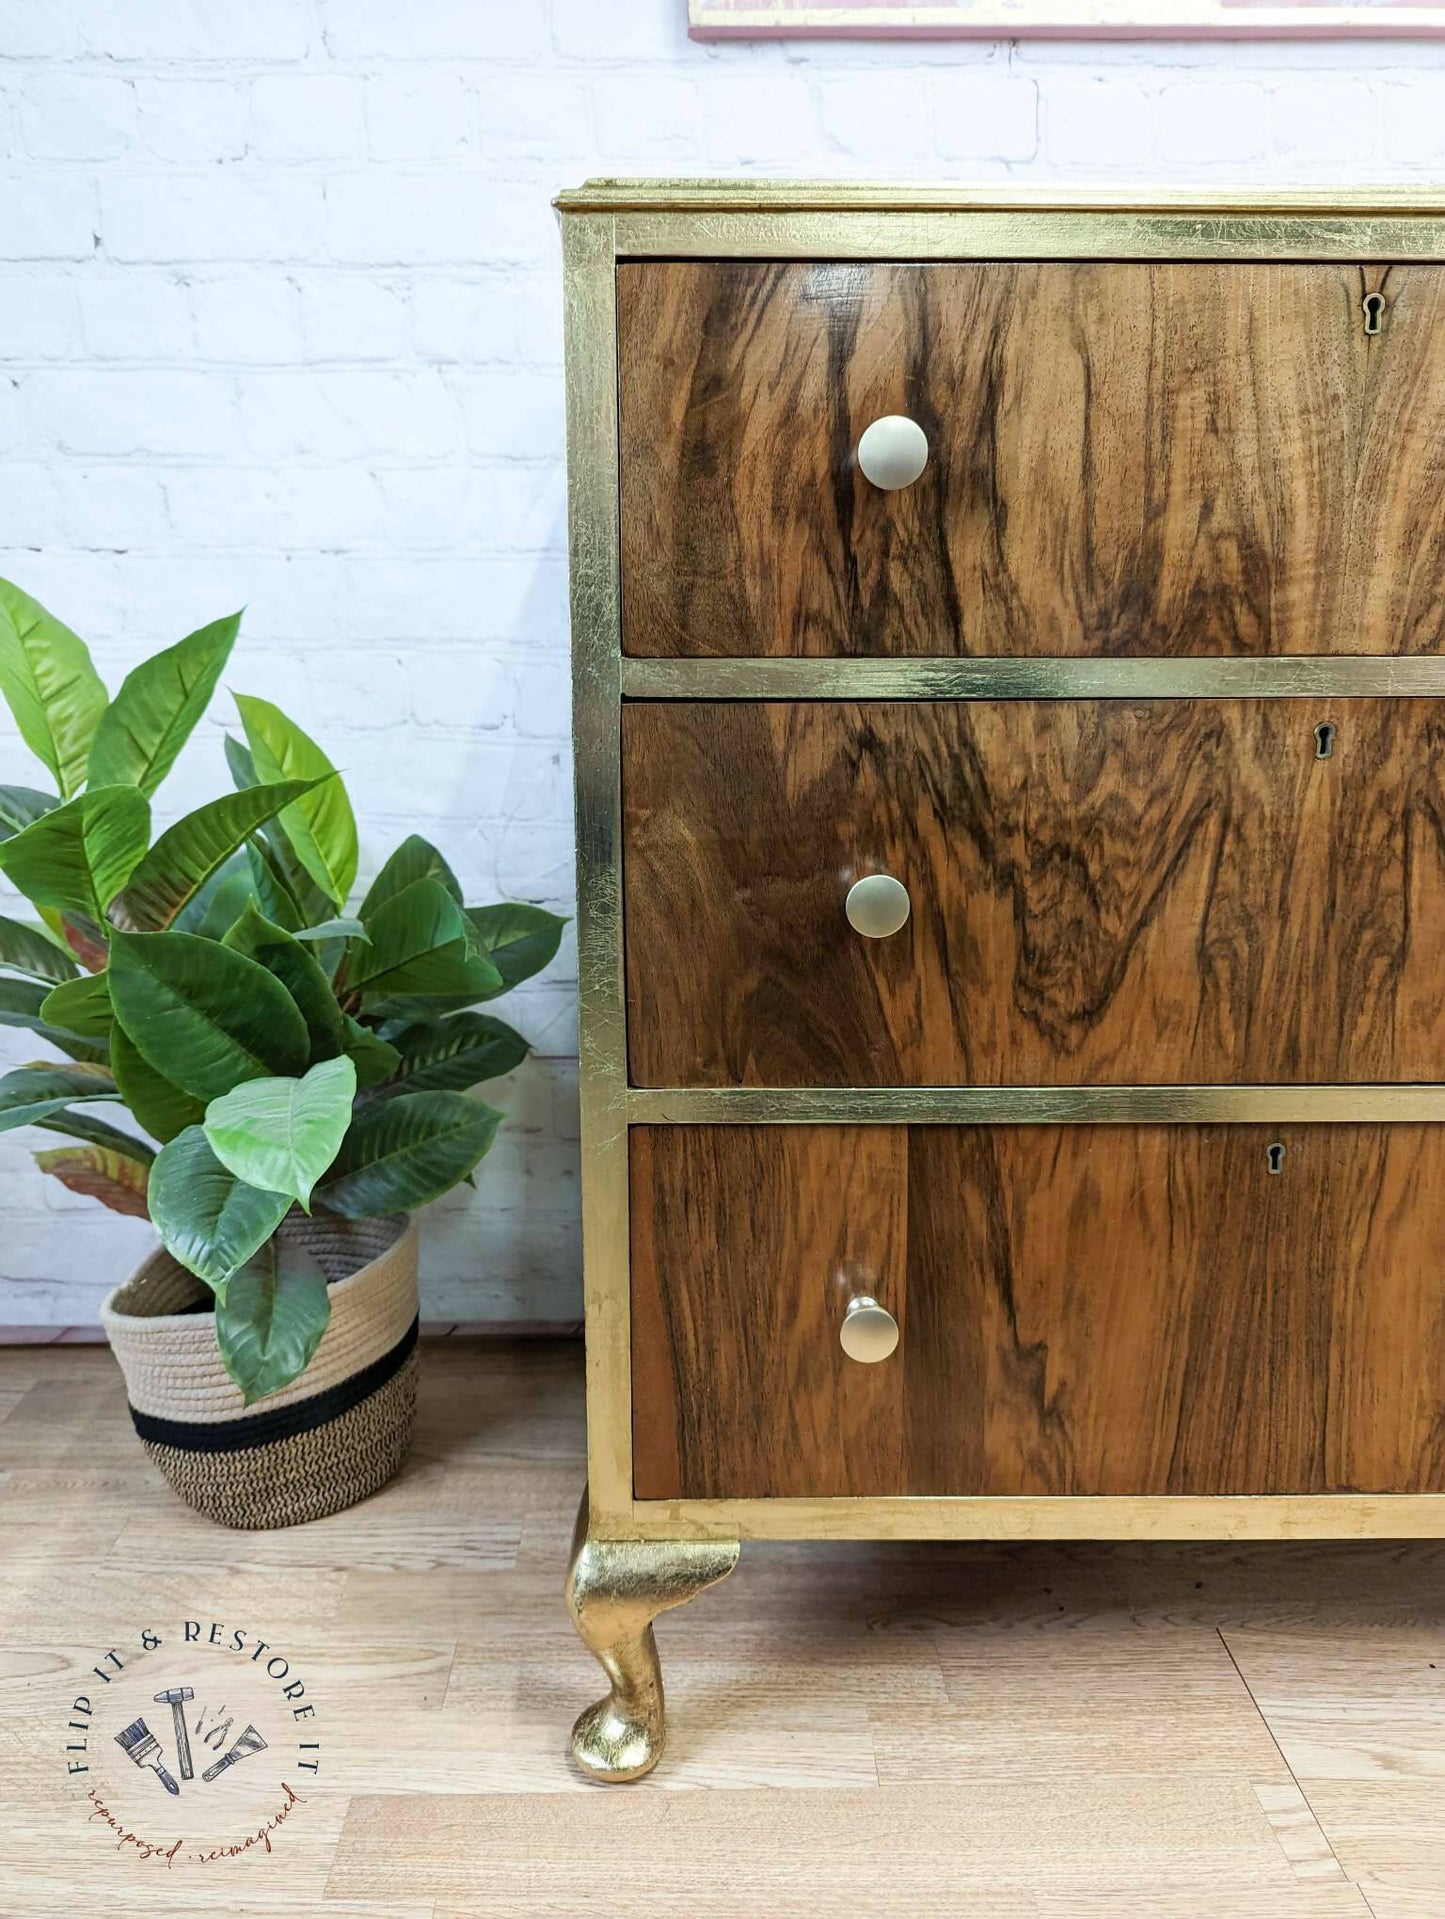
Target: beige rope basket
(331, 1437)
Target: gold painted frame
(607, 221)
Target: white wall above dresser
(279, 324)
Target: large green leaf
(414, 859)
(320, 825)
(420, 943)
(98, 1133)
(202, 1015)
(299, 972)
(186, 854)
(282, 1134)
(20, 1004)
(78, 857)
(81, 1006)
(270, 1318)
(333, 929)
(50, 685)
(518, 939)
(374, 1058)
(37, 1092)
(208, 1219)
(99, 1172)
(214, 908)
(31, 950)
(452, 1055)
(402, 1152)
(20, 806)
(160, 1106)
(157, 707)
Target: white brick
(348, 316)
(417, 115)
(39, 316)
(193, 120)
(307, 116)
(1203, 122)
(28, 31)
(642, 30)
(221, 215)
(1102, 122)
(46, 215)
(1326, 122)
(135, 315)
(381, 218)
(347, 414)
(332, 509)
(250, 317)
(439, 30)
(29, 506)
(1414, 120)
(758, 119)
(454, 321)
(210, 30)
(547, 118)
(130, 412)
(112, 508)
(226, 506)
(883, 117)
(511, 415)
(77, 116)
(646, 114)
(984, 113)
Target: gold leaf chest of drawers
(1010, 734)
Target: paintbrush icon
(246, 1743)
(144, 1748)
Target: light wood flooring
(1062, 1732)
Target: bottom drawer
(1082, 1310)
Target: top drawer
(1124, 459)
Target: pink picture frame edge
(709, 20)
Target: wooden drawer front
(1083, 1310)
(1124, 459)
(1102, 892)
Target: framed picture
(1069, 19)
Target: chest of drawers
(1009, 644)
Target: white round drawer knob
(893, 451)
(869, 1331)
(877, 906)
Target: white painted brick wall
(280, 325)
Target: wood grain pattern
(761, 1207)
(1103, 892)
(1143, 458)
(1085, 1311)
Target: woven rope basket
(331, 1437)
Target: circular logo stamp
(193, 1745)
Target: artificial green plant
(281, 1046)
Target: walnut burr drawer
(1107, 892)
(1139, 458)
(1113, 1310)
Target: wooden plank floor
(1057, 1732)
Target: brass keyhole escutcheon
(1324, 740)
(1374, 310)
(1274, 1156)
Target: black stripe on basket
(283, 1422)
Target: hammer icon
(176, 1699)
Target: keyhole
(1374, 306)
(1324, 740)
(1275, 1155)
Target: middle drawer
(1101, 892)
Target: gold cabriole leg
(615, 1589)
